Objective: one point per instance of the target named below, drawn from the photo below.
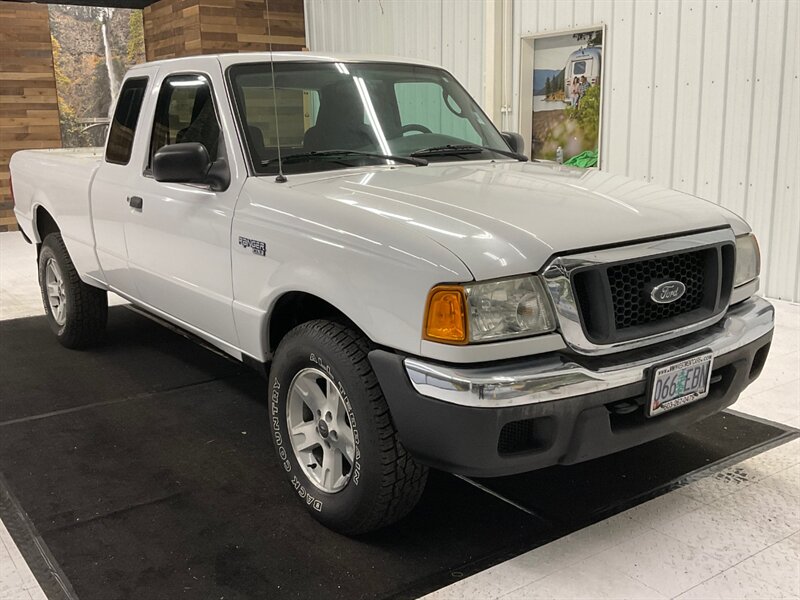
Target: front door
(179, 237)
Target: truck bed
(59, 181)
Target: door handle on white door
(135, 202)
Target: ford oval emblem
(667, 292)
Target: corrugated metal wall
(449, 33)
(700, 96)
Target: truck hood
(508, 218)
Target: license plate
(679, 383)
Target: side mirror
(515, 141)
(189, 162)
(182, 163)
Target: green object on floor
(586, 159)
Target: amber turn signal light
(446, 316)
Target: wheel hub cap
(320, 430)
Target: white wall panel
(616, 126)
(640, 90)
(687, 97)
(701, 96)
(665, 86)
(602, 11)
(712, 107)
(766, 85)
(736, 101)
(447, 32)
(784, 249)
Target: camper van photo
(567, 78)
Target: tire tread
(86, 322)
(403, 479)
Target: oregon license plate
(679, 383)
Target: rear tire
(343, 459)
(76, 312)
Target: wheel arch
(43, 224)
(292, 308)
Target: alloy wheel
(320, 430)
(56, 296)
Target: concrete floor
(732, 534)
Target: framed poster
(93, 47)
(561, 96)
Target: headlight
(482, 312)
(748, 259)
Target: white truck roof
(233, 58)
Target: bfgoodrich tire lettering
(383, 482)
(76, 312)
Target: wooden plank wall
(241, 25)
(28, 103)
(172, 29)
(189, 27)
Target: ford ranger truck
(419, 293)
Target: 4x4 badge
(667, 292)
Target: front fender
(386, 302)
(374, 273)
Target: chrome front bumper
(535, 380)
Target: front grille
(614, 300)
(630, 284)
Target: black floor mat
(147, 469)
(587, 492)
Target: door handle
(135, 202)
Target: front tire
(76, 312)
(333, 432)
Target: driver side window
(422, 103)
(185, 113)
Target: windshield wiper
(417, 162)
(454, 149)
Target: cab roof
(234, 58)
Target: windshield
(370, 109)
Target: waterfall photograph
(93, 47)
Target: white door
(179, 237)
(111, 185)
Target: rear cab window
(126, 117)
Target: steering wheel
(414, 127)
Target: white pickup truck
(419, 293)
